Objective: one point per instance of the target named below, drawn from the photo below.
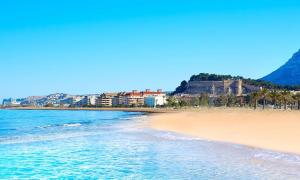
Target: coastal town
(134, 98)
(154, 90)
(201, 90)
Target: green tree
(222, 101)
(274, 97)
(286, 98)
(183, 102)
(204, 99)
(232, 100)
(255, 97)
(263, 95)
(172, 101)
(296, 97)
(195, 101)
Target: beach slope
(273, 130)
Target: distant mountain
(288, 74)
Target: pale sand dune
(274, 130)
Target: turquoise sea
(118, 145)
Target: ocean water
(118, 145)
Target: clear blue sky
(92, 46)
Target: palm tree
(172, 101)
(204, 99)
(274, 97)
(254, 98)
(264, 94)
(280, 99)
(286, 97)
(296, 97)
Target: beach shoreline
(273, 130)
(134, 109)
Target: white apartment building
(154, 101)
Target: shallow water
(116, 145)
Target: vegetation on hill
(215, 77)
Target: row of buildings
(11, 102)
(194, 88)
(127, 99)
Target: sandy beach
(270, 129)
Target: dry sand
(273, 130)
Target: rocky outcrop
(288, 74)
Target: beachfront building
(154, 101)
(295, 92)
(93, 99)
(105, 99)
(11, 102)
(119, 99)
(89, 100)
(136, 98)
(36, 101)
(56, 97)
(77, 101)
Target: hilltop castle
(215, 88)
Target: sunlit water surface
(118, 145)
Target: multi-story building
(87, 100)
(119, 99)
(136, 98)
(77, 101)
(33, 101)
(105, 99)
(67, 102)
(11, 102)
(92, 100)
(57, 96)
(154, 101)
